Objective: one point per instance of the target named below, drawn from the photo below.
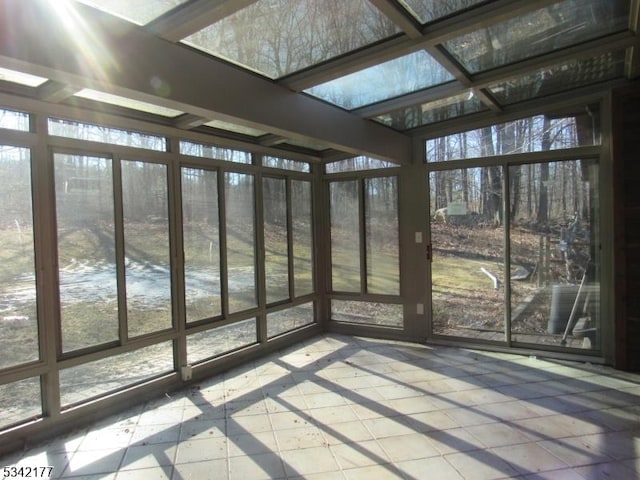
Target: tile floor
(339, 407)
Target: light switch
(418, 237)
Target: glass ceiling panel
(232, 127)
(432, 112)
(427, 11)
(402, 75)
(21, 78)
(561, 77)
(127, 103)
(310, 144)
(138, 11)
(278, 37)
(541, 31)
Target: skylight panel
(138, 11)
(432, 112)
(278, 37)
(127, 103)
(427, 11)
(21, 78)
(551, 28)
(396, 77)
(561, 77)
(232, 127)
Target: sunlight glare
(92, 50)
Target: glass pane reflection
(562, 77)
(555, 259)
(428, 10)
(541, 31)
(432, 112)
(390, 79)
(292, 34)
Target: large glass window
(276, 242)
(201, 243)
(99, 133)
(286, 320)
(14, 120)
(93, 379)
(467, 280)
(147, 254)
(302, 234)
(381, 232)
(345, 236)
(533, 134)
(555, 261)
(365, 209)
(220, 340)
(240, 223)
(367, 313)
(86, 250)
(18, 309)
(20, 401)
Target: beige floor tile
(378, 472)
(249, 423)
(263, 466)
(453, 440)
(388, 427)
(346, 432)
(360, 454)
(332, 415)
(529, 458)
(499, 434)
(574, 452)
(252, 444)
(297, 438)
(435, 468)
(612, 470)
(319, 400)
(408, 447)
(94, 462)
(217, 469)
(201, 450)
(309, 460)
(199, 429)
(285, 420)
(149, 456)
(153, 473)
(148, 434)
(480, 465)
(346, 408)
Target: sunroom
(190, 185)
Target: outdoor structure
(188, 185)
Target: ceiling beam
(55, 92)
(189, 121)
(120, 58)
(183, 21)
(270, 140)
(439, 32)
